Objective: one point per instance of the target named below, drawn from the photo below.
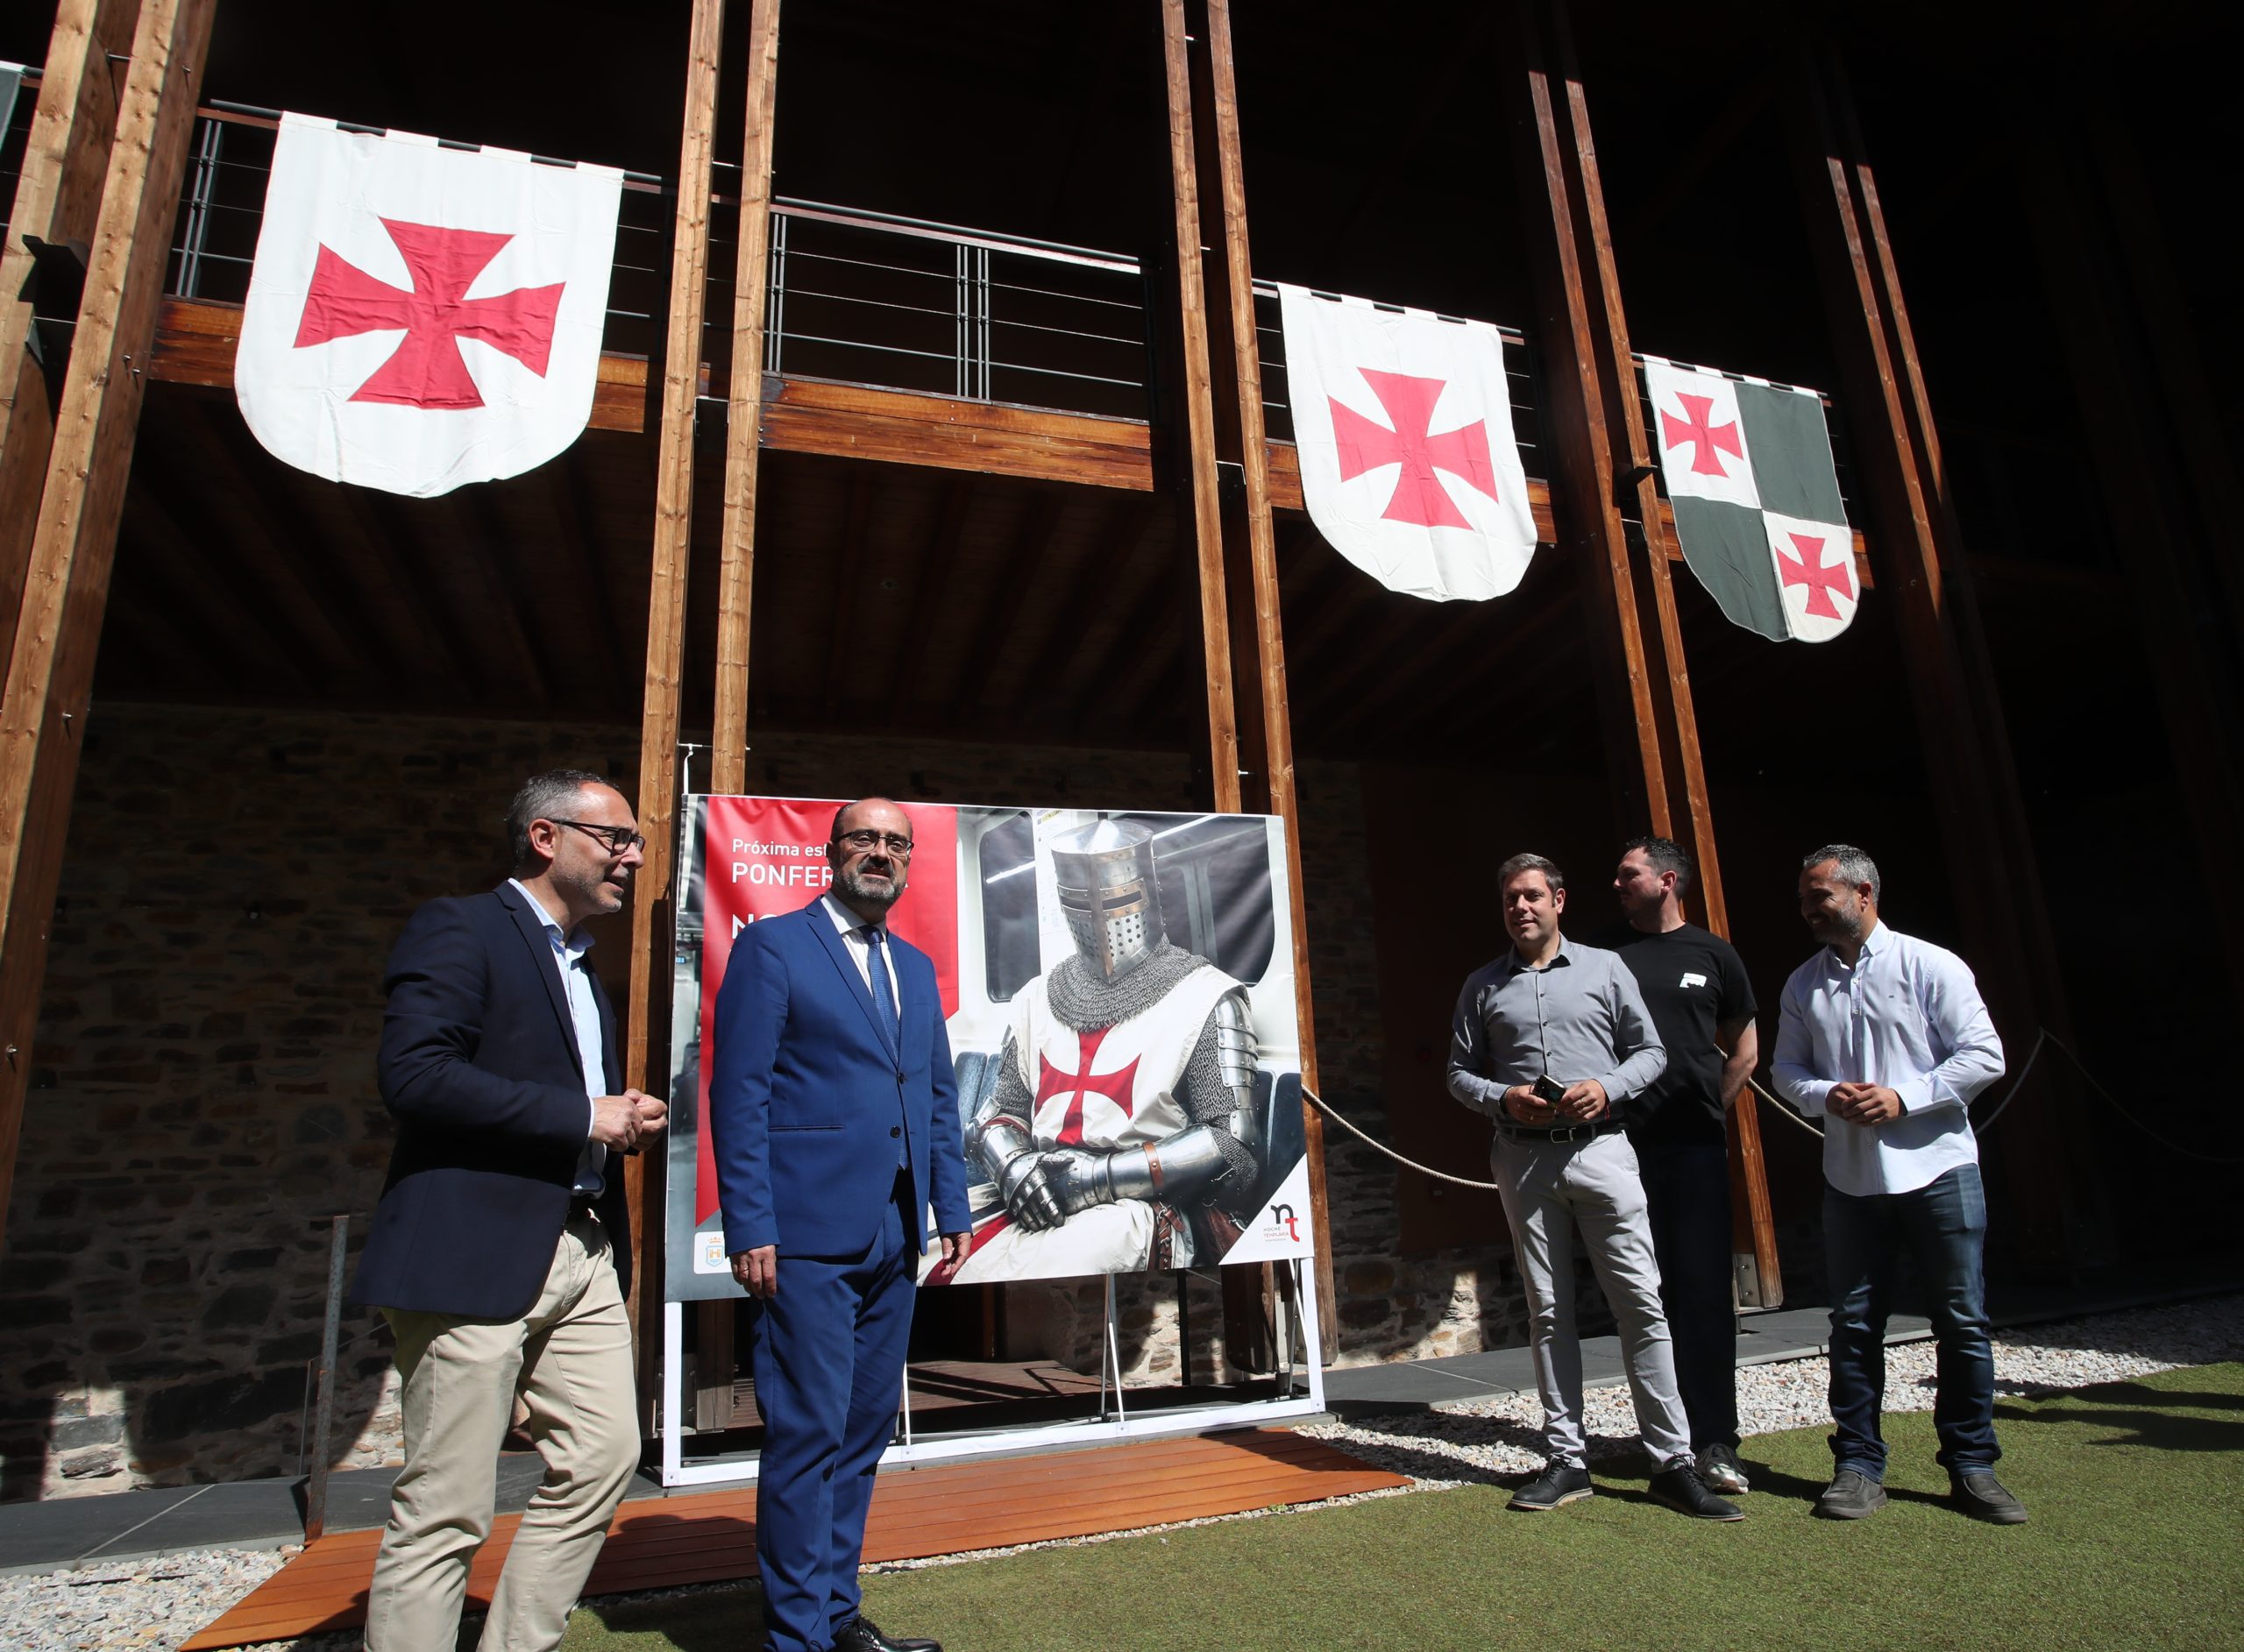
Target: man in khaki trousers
(502, 1249)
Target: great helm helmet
(1104, 874)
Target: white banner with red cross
(420, 317)
(1409, 467)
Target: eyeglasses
(863, 840)
(620, 840)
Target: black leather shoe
(1982, 1497)
(1679, 1487)
(1561, 1483)
(863, 1634)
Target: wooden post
(745, 412)
(714, 1368)
(57, 197)
(673, 545)
(1667, 673)
(1974, 785)
(1247, 1317)
(74, 544)
(1195, 466)
(1250, 560)
(1550, 193)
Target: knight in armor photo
(1121, 1132)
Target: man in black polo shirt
(1694, 985)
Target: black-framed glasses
(620, 840)
(865, 839)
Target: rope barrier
(1322, 1106)
(2043, 1037)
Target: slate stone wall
(203, 1097)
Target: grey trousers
(1550, 1189)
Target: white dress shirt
(1907, 1015)
(584, 1015)
(852, 937)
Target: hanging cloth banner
(422, 317)
(1748, 466)
(1409, 465)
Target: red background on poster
(749, 873)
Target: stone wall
(203, 1097)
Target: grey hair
(1519, 863)
(542, 797)
(1665, 855)
(1855, 867)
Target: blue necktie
(884, 996)
(885, 1007)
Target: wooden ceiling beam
(237, 607)
(851, 572)
(375, 515)
(297, 551)
(572, 544)
(479, 529)
(931, 574)
(1032, 544)
(1127, 530)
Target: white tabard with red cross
(1110, 1088)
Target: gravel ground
(150, 1606)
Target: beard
(1841, 926)
(862, 891)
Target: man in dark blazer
(501, 1247)
(834, 1116)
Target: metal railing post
(323, 1411)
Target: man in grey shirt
(1550, 1041)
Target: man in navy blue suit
(502, 1248)
(833, 1118)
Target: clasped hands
(1584, 1102)
(1863, 1104)
(1042, 1188)
(621, 1123)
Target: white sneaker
(1718, 1468)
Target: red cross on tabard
(1409, 403)
(1118, 1087)
(426, 369)
(1702, 433)
(1808, 569)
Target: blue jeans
(1944, 1228)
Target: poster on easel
(1119, 991)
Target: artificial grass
(2136, 1491)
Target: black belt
(584, 1204)
(1571, 1132)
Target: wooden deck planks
(710, 1537)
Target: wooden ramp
(710, 1537)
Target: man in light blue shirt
(1887, 1039)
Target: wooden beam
(375, 515)
(58, 197)
(745, 408)
(74, 544)
(196, 339)
(581, 572)
(932, 572)
(1754, 1221)
(1196, 464)
(1551, 190)
(848, 566)
(1973, 785)
(1251, 584)
(665, 667)
(216, 596)
(1125, 532)
(1032, 546)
